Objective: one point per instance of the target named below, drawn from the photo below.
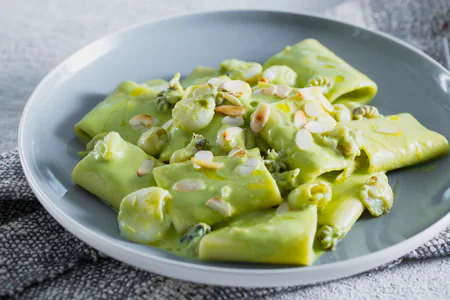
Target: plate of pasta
(244, 148)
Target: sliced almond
(269, 91)
(260, 117)
(216, 81)
(271, 73)
(325, 103)
(323, 124)
(252, 72)
(232, 99)
(248, 167)
(204, 155)
(283, 208)
(198, 164)
(145, 167)
(304, 139)
(230, 110)
(201, 91)
(235, 86)
(283, 90)
(231, 132)
(141, 121)
(326, 88)
(245, 170)
(233, 121)
(253, 161)
(310, 93)
(391, 131)
(166, 126)
(220, 205)
(313, 109)
(299, 119)
(328, 119)
(188, 185)
(204, 159)
(237, 152)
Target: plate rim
(224, 276)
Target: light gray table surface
(37, 35)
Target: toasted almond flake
(271, 73)
(253, 161)
(232, 99)
(283, 208)
(269, 91)
(392, 131)
(204, 155)
(201, 91)
(252, 72)
(328, 119)
(237, 152)
(283, 90)
(313, 109)
(233, 121)
(145, 167)
(230, 110)
(310, 93)
(141, 121)
(231, 132)
(216, 81)
(325, 103)
(198, 164)
(260, 117)
(166, 126)
(299, 119)
(234, 86)
(202, 158)
(220, 205)
(326, 88)
(315, 127)
(304, 139)
(189, 185)
(323, 124)
(248, 167)
(245, 170)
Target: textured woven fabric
(40, 260)
(422, 23)
(36, 252)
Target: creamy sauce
(328, 172)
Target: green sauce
(265, 164)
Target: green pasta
(111, 170)
(249, 163)
(317, 66)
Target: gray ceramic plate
(408, 81)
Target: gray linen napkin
(41, 260)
